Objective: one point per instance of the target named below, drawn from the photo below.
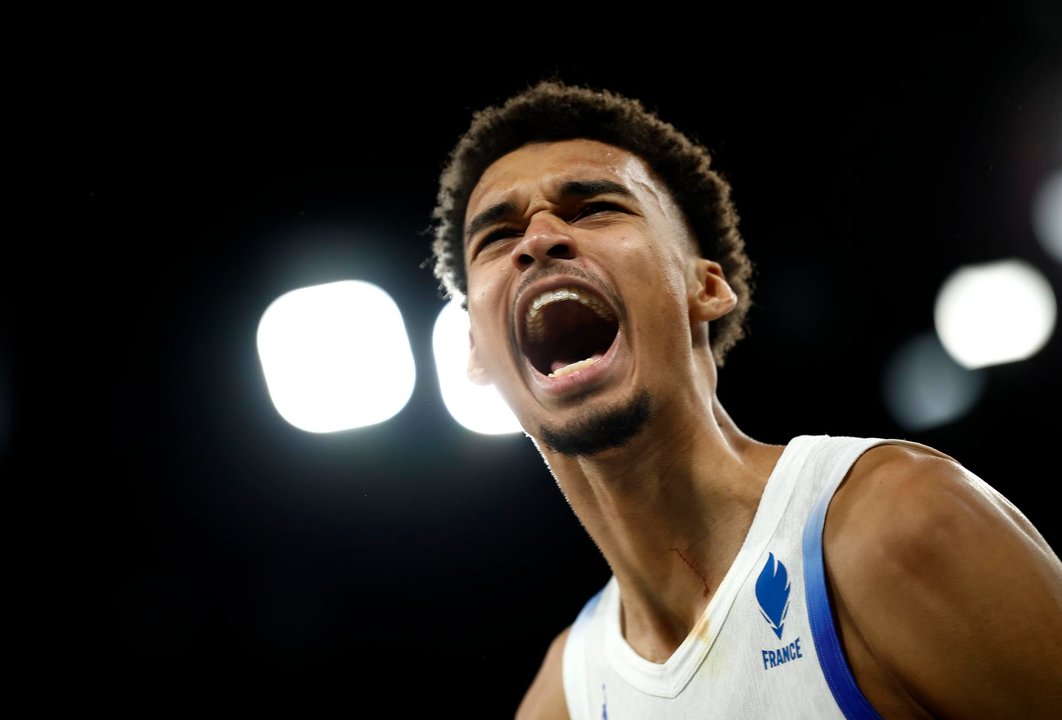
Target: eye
(494, 235)
(595, 208)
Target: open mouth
(566, 330)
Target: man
(605, 278)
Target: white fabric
(724, 668)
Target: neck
(669, 512)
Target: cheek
(657, 278)
(486, 312)
(660, 309)
(484, 276)
(488, 318)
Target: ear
(710, 295)
(476, 372)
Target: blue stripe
(831, 657)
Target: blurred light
(1047, 215)
(336, 356)
(925, 387)
(480, 408)
(995, 313)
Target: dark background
(182, 544)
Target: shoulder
(911, 502)
(903, 514)
(946, 596)
(545, 699)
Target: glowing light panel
(336, 356)
(479, 408)
(994, 313)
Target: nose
(546, 237)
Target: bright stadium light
(995, 313)
(479, 408)
(336, 356)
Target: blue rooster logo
(772, 593)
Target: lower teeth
(574, 367)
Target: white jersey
(766, 646)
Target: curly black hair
(553, 110)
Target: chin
(600, 430)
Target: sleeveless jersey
(766, 646)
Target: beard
(601, 430)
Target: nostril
(559, 251)
(525, 259)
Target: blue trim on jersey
(831, 657)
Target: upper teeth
(534, 321)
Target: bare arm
(948, 600)
(545, 698)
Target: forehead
(543, 167)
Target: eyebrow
(571, 190)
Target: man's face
(579, 269)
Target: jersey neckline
(667, 679)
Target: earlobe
(476, 372)
(711, 296)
